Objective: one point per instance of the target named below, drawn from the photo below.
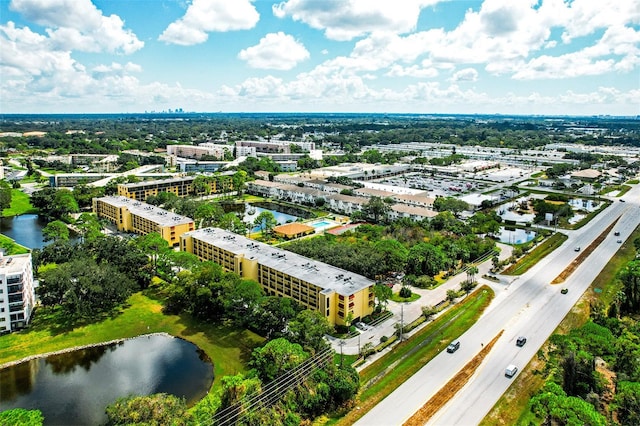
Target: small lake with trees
(25, 229)
(76, 387)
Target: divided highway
(531, 307)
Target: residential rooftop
(147, 211)
(322, 275)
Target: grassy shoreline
(228, 348)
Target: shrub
(405, 292)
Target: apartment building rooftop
(14, 264)
(178, 179)
(322, 275)
(147, 211)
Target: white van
(511, 371)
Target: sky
(543, 57)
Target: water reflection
(141, 366)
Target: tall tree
(55, 231)
(5, 196)
(276, 357)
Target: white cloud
(412, 71)
(79, 25)
(467, 74)
(277, 51)
(204, 16)
(347, 19)
(117, 68)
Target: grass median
(228, 348)
(535, 255)
(512, 407)
(386, 374)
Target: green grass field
(229, 348)
(20, 204)
(10, 247)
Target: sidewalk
(406, 313)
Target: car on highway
(453, 346)
(617, 233)
(577, 248)
(621, 200)
(521, 341)
(564, 291)
(619, 241)
(510, 371)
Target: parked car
(510, 371)
(361, 326)
(521, 341)
(564, 291)
(453, 346)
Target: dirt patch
(583, 255)
(452, 387)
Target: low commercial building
(141, 218)
(17, 292)
(334, 292)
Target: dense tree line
(350, 132)
(374, 250)
(90, 277)
(593, 373)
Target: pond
(25, 229)
(76, 387)
(585, 205)
(515, 236)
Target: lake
(76, 387)
(25, 229)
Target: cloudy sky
(422, 56)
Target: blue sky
(422, 56)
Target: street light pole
(401, 319)
(341, 343)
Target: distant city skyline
(539, 57)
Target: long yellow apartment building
(141, 218)
(181, 186)
(333, 291)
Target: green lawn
(396, 298)
(10, 247)
(228, 348)
(20, 204)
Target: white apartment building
(17, 292)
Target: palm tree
(471, 273)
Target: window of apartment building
(14, 280)
(15, 288)
(13, 298)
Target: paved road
(528, 306)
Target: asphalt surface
(527, 306)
